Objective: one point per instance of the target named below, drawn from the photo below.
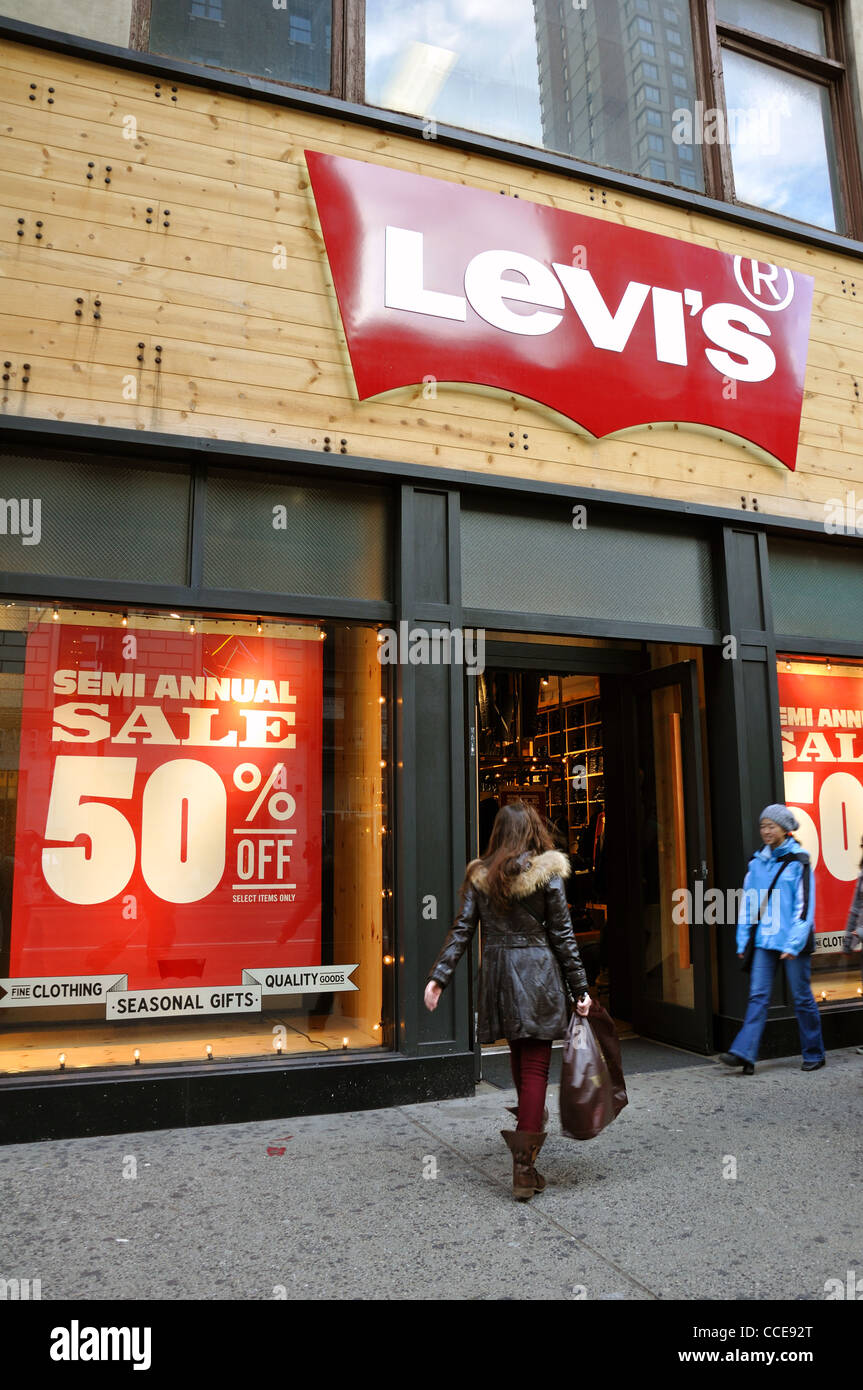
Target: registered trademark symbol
(764, 281)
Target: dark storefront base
(840, 1027)
(34, 1109)
(40, 1108)
(447, 531)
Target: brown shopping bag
(606, 1035)
(590, 1095)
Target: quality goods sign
(822, 750)
(610, 326)
(169, 817)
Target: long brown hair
(517, 830)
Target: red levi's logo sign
(609, 326)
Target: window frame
(712, 36)
(347, 50)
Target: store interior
(540, 741)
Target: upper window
(788, 21)
(787, 145)
(288, 43)
(501, 69)
(758, 103)
(765, 120)
(108, 23)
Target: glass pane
(334, 537)
(193, 833)
(814, 592)
(781, 136)
(96, 516)
(548, 73)
(668, 970)
(474, 67)
(289, 45)
(521, 564)
(109, 21)
(786, 20)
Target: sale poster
(821, 714)
(169, 815)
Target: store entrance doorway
(609, 753)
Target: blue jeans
(798, 971)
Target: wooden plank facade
(163, 270)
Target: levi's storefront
(504, 485)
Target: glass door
(671, 957)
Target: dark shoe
(731, 1059)
(513, 1110)
(524, 1148)
(814, 1066)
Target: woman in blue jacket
(780, 908)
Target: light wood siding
(253, 352)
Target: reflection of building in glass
(610, 77)
(291, 44)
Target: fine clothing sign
(169, 818)
(610, 326)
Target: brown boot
(513, 1110)
(524, 1148)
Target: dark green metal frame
(428, 792)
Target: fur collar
(540, 868)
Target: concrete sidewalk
(414, 1202)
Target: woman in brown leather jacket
(530, 961)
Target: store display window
(194, 849)
(821, 715)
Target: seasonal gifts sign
(822, 749)
(169, 819)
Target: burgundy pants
(529, 1059)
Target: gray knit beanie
(780, 815)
